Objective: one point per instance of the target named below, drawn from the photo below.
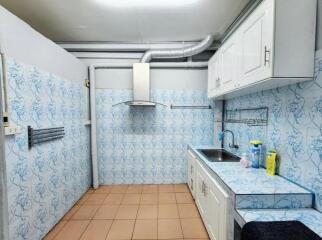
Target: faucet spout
(231, 145)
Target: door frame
(4, 226)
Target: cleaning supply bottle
(255, 153)
(271, 162)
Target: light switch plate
(12, 130)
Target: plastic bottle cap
(256, 142)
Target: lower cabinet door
(191, 173)
(217, 200)
(200, 185)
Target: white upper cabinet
(256, 36)
(274, 46)
(230, 58)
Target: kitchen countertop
(256, 185)
(249, 180)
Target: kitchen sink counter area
(245, 181)
(255, 196)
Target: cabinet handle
(267, 52)
(217, 82)
(205, 190)
(191, 169)
(191, 184)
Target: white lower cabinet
(191, 173)
(211, 201)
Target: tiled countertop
(310, 217)
(249, 180)
(260, 197)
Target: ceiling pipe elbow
(179, 53)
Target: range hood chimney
(141, 85)
(141, 71)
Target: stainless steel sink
(218, 155)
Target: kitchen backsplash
(294, 129)
(46, 181)
(149, 145)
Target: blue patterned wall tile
(44, 182)
(278, 201)
(144, 145)
(294, 130)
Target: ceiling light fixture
(146, 3)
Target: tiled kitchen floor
(132, 212)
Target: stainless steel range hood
(141, 87)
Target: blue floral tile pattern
(275, 201)
(44, 182)
(310, 217)
(149, 145)
(294, 129)
(253, 188)
(253, 181)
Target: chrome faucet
(232, 145)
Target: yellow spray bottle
(271, 162)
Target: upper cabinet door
(214, 74)
(230, 64)
(257, 44)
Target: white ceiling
(104, 20)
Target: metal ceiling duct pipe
(178, 53)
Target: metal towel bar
(189, 107)
(37, 136)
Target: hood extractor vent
(141, 71)
(141, 87)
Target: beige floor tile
(59, 226)
(169, 229)
(181, 188)
(121, 229)
(95, 199)
(196, 239)
(145, 229)
(71, 212)
(131, 198)
(127, 212)
(193, 228)
(188, 211)
(149, 198)
(90, 190)
(135, 189)
(83, 199)
(97, 230)
(166, 188)
(167, 198)
(148, 212)
(184, 198)
(85, 212)
(114, 199)
(168, 211)
(72, 230)
(106, 212)
(119, 189)
(150, 188)
(103, 189)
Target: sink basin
(218, 155)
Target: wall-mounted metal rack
(190, 107)
(38, 136)
(250, 116)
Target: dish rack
(250, 116)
